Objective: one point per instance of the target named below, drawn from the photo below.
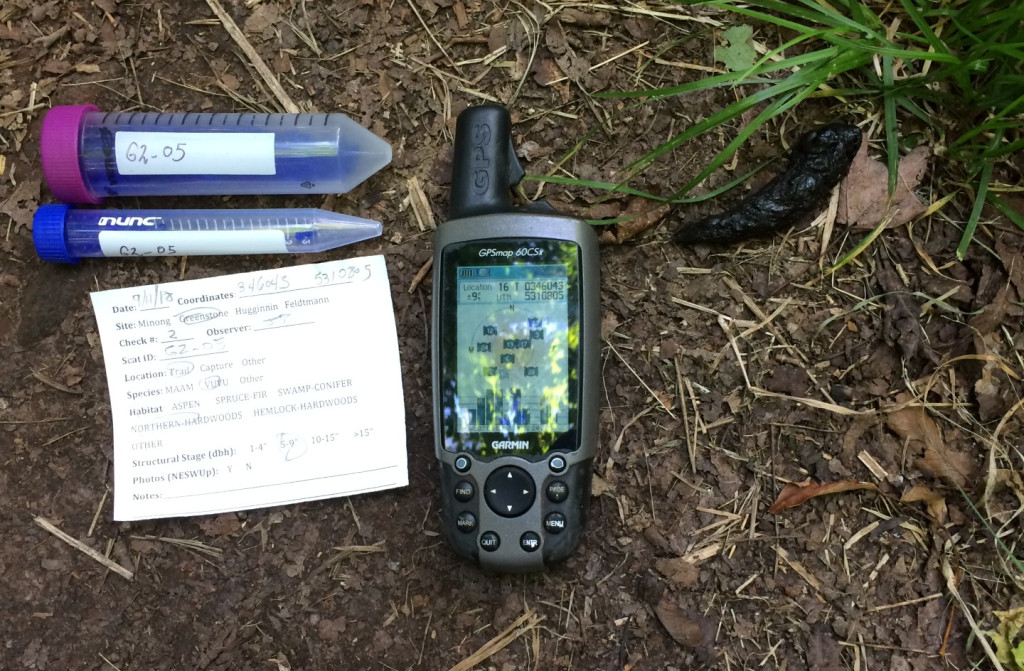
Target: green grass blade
(727, 113)
(782, 49)
(895, 52)
(777, 106)
(671, 200)
(923, 25)
(815, 13)
(590, 184)
(728, 78)
(781, 8)
(989, 124)
(979, 201)
(1006, 210)
(892, 146)
(860, 246)
(1003, 150)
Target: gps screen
(516, 337)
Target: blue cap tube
(64, 234)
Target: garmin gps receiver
(515, 360)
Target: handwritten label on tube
(161, 153)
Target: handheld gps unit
(515, 358)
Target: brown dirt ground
(704, 353)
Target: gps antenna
(485, 167)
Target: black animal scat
(820, 159)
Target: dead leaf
(902, 321)
(864, 193)
(639, 217)
(262, 17)
(585, 19)
(823, 650)
(230, 81)
(600, 486)
(1008, 637)
(795, 493)
(546, 71)
(282, 662)
(607, 210)
(688, 628)
(935, 502)
(988, 389)
(21, 205)
(858, 428)
(1011, 479)
(609, 322)
(221, 525)
(914, 424)
(1009, 249)
(682, 571)
(56, 67)
(993, 314)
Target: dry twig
(257, 62)
(502, 640)
(85, 549)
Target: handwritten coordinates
(342, 275)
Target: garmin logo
(510, 444)
(129, 221)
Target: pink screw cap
(58, 149)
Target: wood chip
(422, 273)
(799, 569)
(420, 206)
(861, 534)
(872, 465)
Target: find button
(464, 490)
(557, 464)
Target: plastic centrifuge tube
(88, 155)
(65, 234)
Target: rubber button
(509, 491)
(557, 464)
(464, 490)
(554, 523)
(529, 541)
(462, 463)
(465, 522)
(490, 541)
(557, 491)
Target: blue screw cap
(48, 234)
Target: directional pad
(509, 491)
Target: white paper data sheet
(253, 390)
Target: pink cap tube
(59, 143)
